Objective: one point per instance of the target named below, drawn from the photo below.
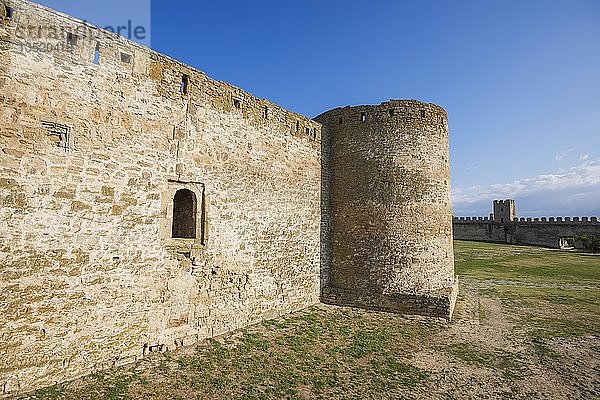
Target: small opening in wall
(308, 131)
(71, 39)
(422, 113)
(9, 12)
(185, 82)
(237, 103)
(126, 58)
(266, 112)
(340, 120)
(97, 54)
(363, 116)
(442, 119)
(184, 214)
(391, 112)
(501, 220)
(59, 134)
(297, 126)
(156, 348)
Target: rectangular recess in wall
(392, 112)
(97, 54)
(71, 39)
(60, 134)
(237, 103)
(297, 126)
(185, 83)
(340, 120)
(422, 113)
(266, 113)
(126, 58)
(363, 116)
(9, 12)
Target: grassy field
(526, 326)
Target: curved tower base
(432, 304)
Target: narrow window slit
(363, 116)
(422, 113)
(97, 54)
(391, 112)
(185, 82)
(297, 126)
(340, 120)
(237, 103)
(9, 12)
(266, 113)
(59, 134)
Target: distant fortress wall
(555, 232)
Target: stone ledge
(433, 304)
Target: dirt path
(486, 353)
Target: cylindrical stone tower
(389, 208)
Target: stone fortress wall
(554, 232)
(92, 157)
(390, 208)
(146, 206)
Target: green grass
(548, 312)
(526, 264)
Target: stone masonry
(146, 206)
(390, 201)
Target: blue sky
(520, 79)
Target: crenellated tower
(504, 211)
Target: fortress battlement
(522, 220)
(558, 220)
(471, 219)
(505, 227)
(398, 111)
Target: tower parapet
(504, 211)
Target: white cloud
(576, 187)
(563, 154)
